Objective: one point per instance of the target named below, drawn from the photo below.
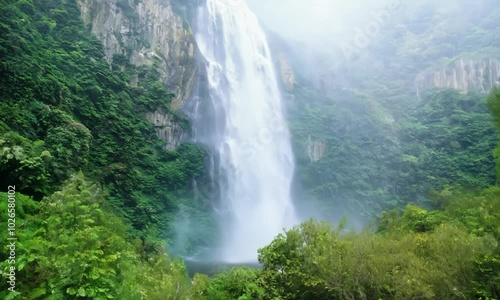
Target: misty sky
(313, 20)
(320, 22)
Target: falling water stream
(253, 142)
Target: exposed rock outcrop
(148, 32)
(167, 128)
(315, 149)
(463, 75)
(286, 72)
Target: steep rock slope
(149, 33)
(463, 75)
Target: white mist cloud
(329, 22)
(313, 21)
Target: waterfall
(255, 160)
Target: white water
(254, 142)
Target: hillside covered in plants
(113, 191)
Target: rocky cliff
(167, 127)
(463, 75)
(148, 32)
(315, 149)
(286, 72)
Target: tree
(75, 249)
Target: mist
(354, 68)
(314, 21)
(373, 50)
(326, 25)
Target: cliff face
(315, 149)
(286, 73)
(462, 75)
(167, 128)
(148, 31)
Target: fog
(327, 34)
(324, 24)
(325, 37)
(312, 21)
(354, 65)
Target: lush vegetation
(372, 162)
(63, 110)
(72, 246)
(388, 139)
(97, 196)
(448, 253)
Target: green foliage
(26, 210)
(159, 278)
(30, 166)
(292, 261)
(438, 255)
(70, 147)
(64, 110)
(475, 213)
(70, 246)
(388, 140)
(449, 138)
(360, 150)
(413, 219)
(372, 162)
(239, 283)
(66, 113)
(449, 253)
(494, 105)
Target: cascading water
(255, 159)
